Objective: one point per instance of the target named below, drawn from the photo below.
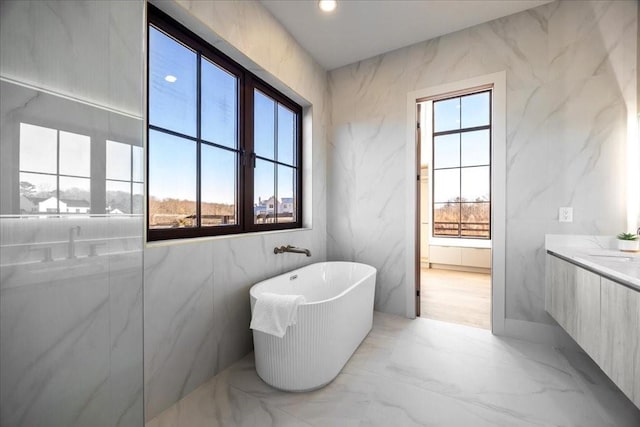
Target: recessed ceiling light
(327, 5)
(170, 78)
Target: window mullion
(460, 170)
(432, 172)
(248, 167)
(58, 170)
(275, 163)
(198, 218)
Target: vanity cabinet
(620, 332)
(573, 299)
(602, 316)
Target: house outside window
(461, 144)
(221, 142)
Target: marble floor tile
(417, 373)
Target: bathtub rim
(288, 273)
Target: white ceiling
(360, 29)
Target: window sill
(194, 240)
(462, 243)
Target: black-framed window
(224, 147)
(461, 144)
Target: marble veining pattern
(416, 373)
(197, 308)
(197, 318)
(571, 81)
(70, 327)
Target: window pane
(219, 105)
(446, 150)
(264, 125)
(475, 184)
(138, 198)
(446, 218)
(172, 181)
(75, 195)
(172, 84)
(286, 196)
(264, 192)
(475, 148)
(38, 149)
(446, 185)
(138, 163)
(35, 190)
(118, 197)
(286, 132)
(118, 161)
(446, 115)
(218, 186)
(75, 154)
(475, 110)
(475, 219)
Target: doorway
(454, 152)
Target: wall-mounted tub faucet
(71, 245)
(292, 249)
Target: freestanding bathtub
(336, 317)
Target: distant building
(286, 206)
(30, 204)
(265, 209)
(50, 205)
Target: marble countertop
(622, 267)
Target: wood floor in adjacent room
(456, 297)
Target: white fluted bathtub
(336, 317)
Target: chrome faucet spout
(71, 245)
(292, 249)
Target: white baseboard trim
(539, 333)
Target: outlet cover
(565, 214)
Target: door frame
(418, 222)
(498, 192)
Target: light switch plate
(565, 214)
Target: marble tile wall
(70, 329)
(197, 309)
(571, 81)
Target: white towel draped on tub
(273, 313)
